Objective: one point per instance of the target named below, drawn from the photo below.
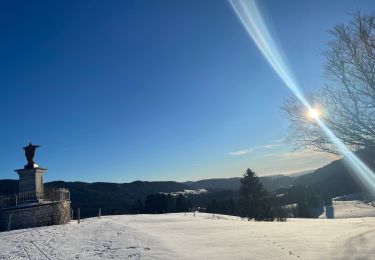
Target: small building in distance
(33, 205)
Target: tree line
(258, 204)
(254, 202)
(158, 203)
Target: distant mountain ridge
(331, 180)
(271, 183)
(119, 197)
(133, 190)
(111, 197)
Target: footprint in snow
(133, 255)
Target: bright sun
(314, 113)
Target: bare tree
(347, 100)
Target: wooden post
(194, 214)
(10, 221)
(100, 212)
(79, 215)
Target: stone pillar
(31, 181)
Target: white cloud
(240, 152)
(270, 146)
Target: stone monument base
(31, 181)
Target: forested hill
(271, 183)
(141, 188)
(111, 197)
(8, 186)
(330, 180)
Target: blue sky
(154, 90)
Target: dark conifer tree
(255, 199)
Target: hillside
(331, 180)
(216, 184)
(8, 186)
(321, 174)
(111, 197)
(176, 236)
(271, 183)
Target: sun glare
(314, 113)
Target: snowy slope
(176, 236)
(348, 209)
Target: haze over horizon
(126, 91)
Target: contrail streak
(250, 17)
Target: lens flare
(251, 18)
(314, 113)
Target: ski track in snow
(92, 239)
(176, 236)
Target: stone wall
(53, 213)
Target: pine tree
(254, 198)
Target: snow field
(176, 236)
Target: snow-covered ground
(348, 209)
(176, 236)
